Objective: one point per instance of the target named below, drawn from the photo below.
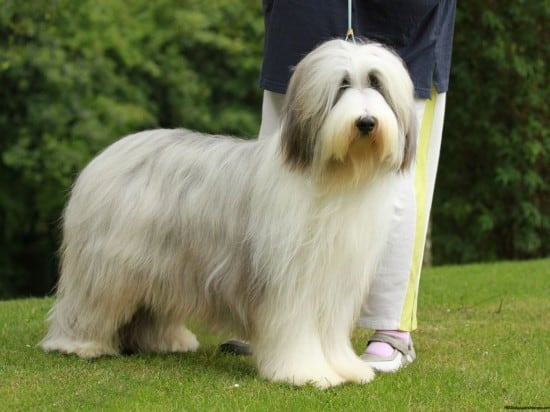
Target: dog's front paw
(347, 364)
(320, 382)
(321, 379)
(357, 371)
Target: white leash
(349, 33)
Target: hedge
(74, 76)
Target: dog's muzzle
(366, 124)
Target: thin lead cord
(349, 33)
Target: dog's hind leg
(150, 332)
(89, 312)
(86, 330)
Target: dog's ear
(298, 131)
(411, 137)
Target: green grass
(483, 344)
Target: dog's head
(349, 109)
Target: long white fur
(274, 240)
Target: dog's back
(138, 234)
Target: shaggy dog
(274, 239)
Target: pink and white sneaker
(402, 355)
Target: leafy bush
(77, 75)
(492, 199)
(74, 76)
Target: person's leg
(425, 176)
(390, 307)
(272, 107)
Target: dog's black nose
(366, 124)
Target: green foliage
(77, 75)
(492, 200)
(74, 76)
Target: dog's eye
(374, 82)
(345, 83)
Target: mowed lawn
(483, 344)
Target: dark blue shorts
(420, 31)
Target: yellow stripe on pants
(408, 316)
